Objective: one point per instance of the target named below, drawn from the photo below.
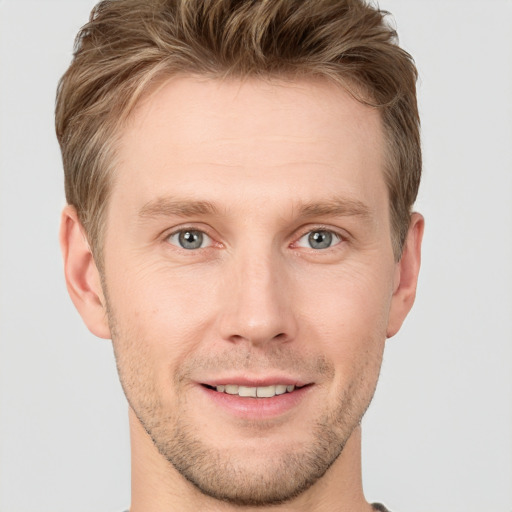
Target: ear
(82, 276)
(406, 275)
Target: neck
(158, 487)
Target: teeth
(245, 391)
(230, 389)
(266, 392)
(253, 392)
(280, 389)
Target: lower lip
(257, 408)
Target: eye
(319, 239)
(190, 239)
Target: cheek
(159, 300)
(164, 314)
(347, 316)
(155, 322)
(351, 304)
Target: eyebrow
(167, 207)
(334, 207)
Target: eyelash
(337, 238)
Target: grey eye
(320, 239)
(190, 239)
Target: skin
(255, 167)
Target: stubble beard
(224, 476)
(233, 478)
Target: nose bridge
(257, 305)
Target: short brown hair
(128, 44)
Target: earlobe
(406, 275)
(82, 276)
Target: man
(240, 178)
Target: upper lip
(255, 382)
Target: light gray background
(438, 435)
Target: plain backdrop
(437, 437)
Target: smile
(261, 399)
(255, 392)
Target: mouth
(254, 391)
(255, 399)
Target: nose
(257, 303)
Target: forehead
(259, 137)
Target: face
(249, 276)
